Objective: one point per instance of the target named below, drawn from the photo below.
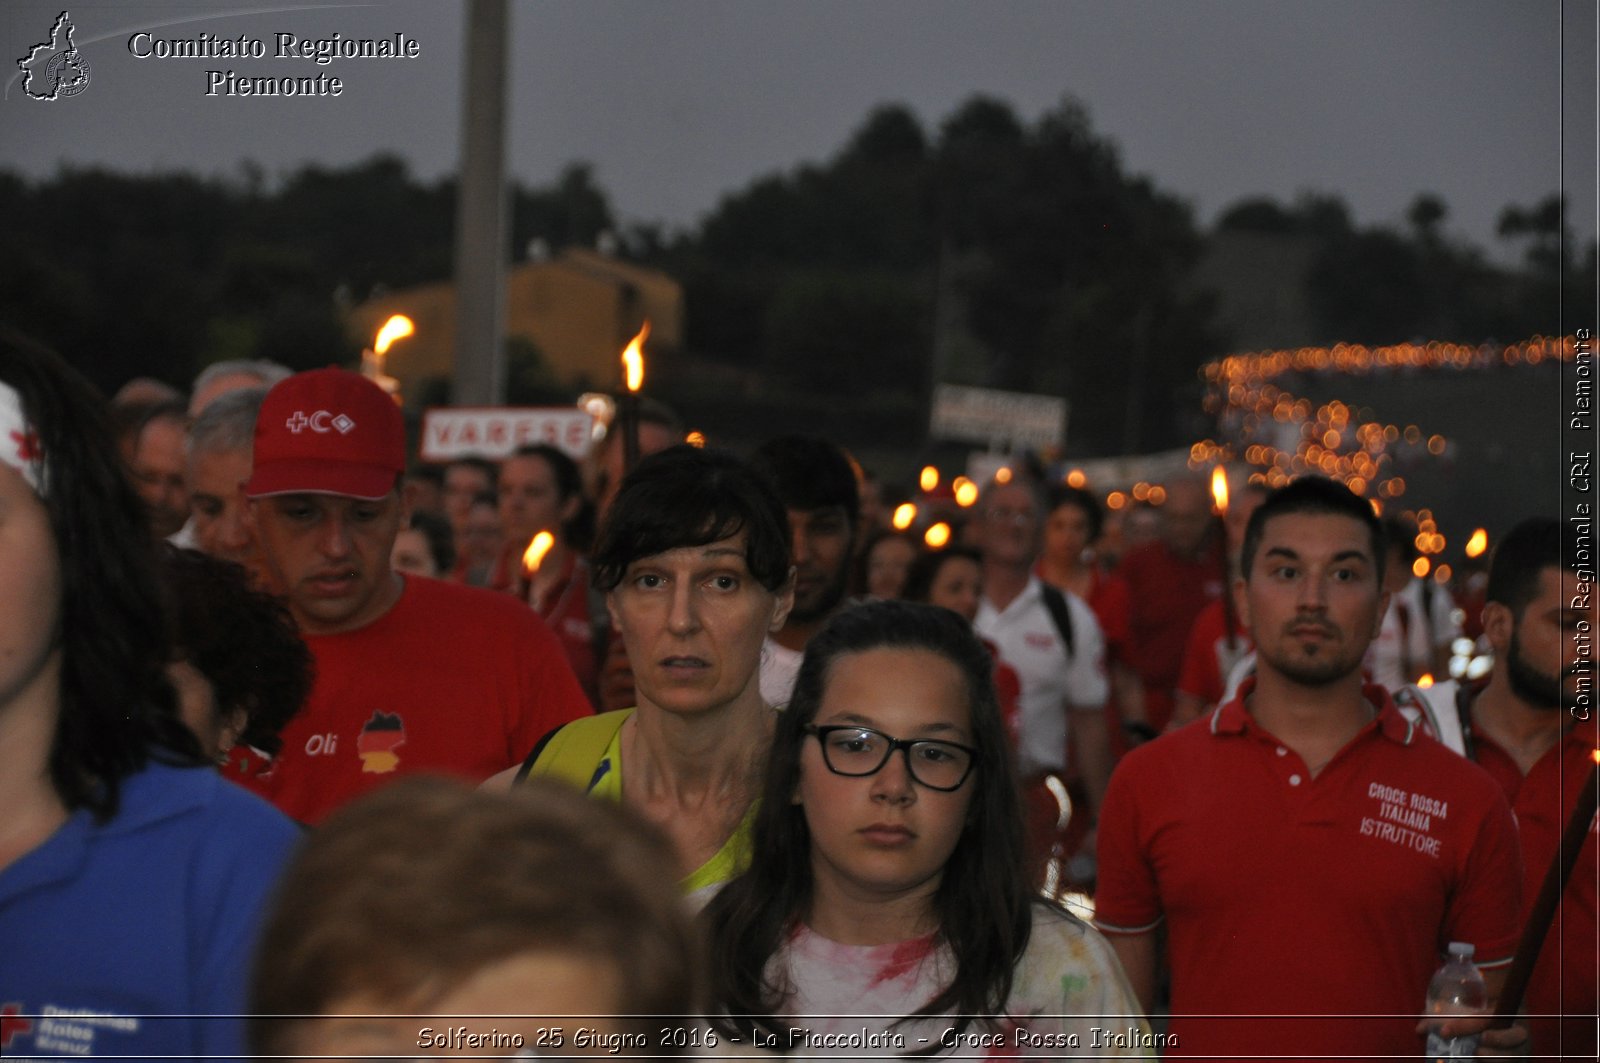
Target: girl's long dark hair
(983, 902)
(115, 703)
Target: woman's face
(411, 553)
(887, 564)
(30, 590)
(957, 586)
(694, 620)
(885, 837)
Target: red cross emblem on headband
(27, 445)
(10, 1025)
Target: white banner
(496, 432)
(984, 415)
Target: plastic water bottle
(1456, 989)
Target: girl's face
(887, 564)
(957, 586)
(885, 837)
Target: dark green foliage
(161, 275)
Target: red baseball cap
(328, 432)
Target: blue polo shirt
(124, 937)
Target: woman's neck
(688, 760)
(1067, 573)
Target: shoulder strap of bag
(572, 752)
(1056, 603)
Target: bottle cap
(1461, 950)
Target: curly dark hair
(242, 640)
(983, 903)
(116, 705)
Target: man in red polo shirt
(1169, 582)
(1309, 850)
(1533, 730)
(412, 675)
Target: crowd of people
(302, 731)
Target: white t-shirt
(1052, 680)
(779, 668)
(1405, 634)
(1068, 985)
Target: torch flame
(1219, 489)
(1425, 681)
(904, 514)
(1478, 543)
(633, 360)
(929, 478)
(534, 554)
(397, 327)
(1594, 755)
(966, 492)
(938, 536)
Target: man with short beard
(1309, 849)
(818, 485)
(1530, 728)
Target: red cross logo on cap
(10, 1025)
(27, 445)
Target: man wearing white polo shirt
(1059, 653)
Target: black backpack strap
(1056, 603)
(1464, 695)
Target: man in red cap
(411, 674)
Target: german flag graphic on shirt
(379, 738)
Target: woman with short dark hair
(693, 558)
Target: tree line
(989, 251)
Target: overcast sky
(679, 102)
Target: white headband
(19, 443)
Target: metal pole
(482, 233)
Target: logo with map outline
(55, 69)
(379, 738)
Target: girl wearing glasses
(885, 909)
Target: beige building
(578, 308)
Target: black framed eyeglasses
(858, 751)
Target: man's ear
(784, 603)
(1499, 623)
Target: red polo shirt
(1165, 594)
(1210, 655)
(1564, 979)
(1305, 915)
